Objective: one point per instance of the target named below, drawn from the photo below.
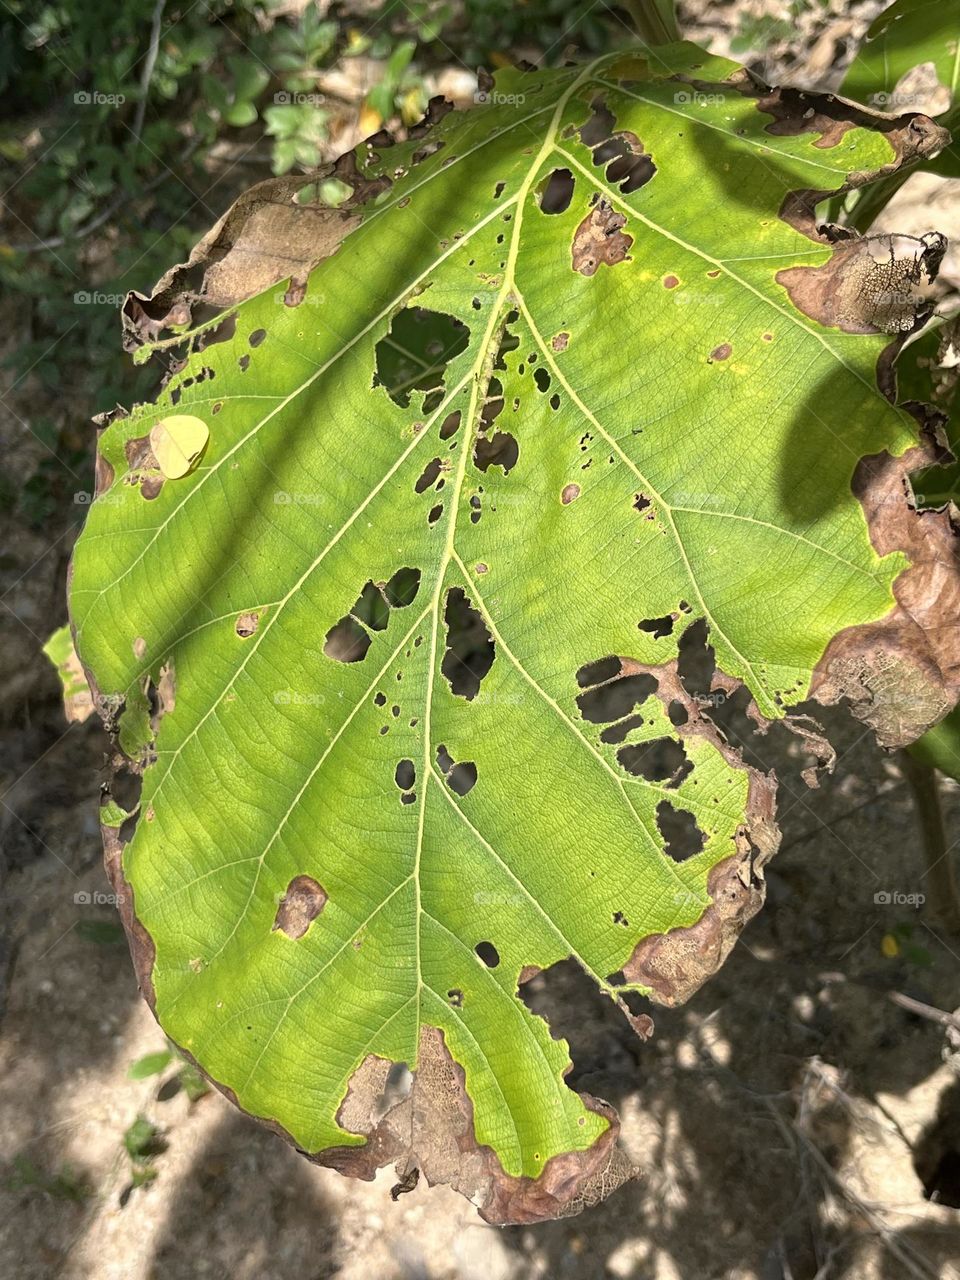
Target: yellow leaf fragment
(178, 442)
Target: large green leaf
(385, 594)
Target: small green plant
(186, 1076)
(66, 1184)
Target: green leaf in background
(401, 655)
(905, 36)
(151, 1064)
(142, 1139)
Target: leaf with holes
(566, 381)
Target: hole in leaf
(257, 337)
(677, 713)
(462, 777)
(346, 641)
(556, 191)
(402, 588)
(683, 837)
(450, 425)
(435, 513)
(616, 699)
(658, 627)
(501, 450)
(470, 648)
(617, 732)
(445, 760)
(405, 775)
(488, 953)
(371, 608)
(541, 377)
(416, 351)
(455, 996)
(429, 475)
(599, 672)
(656, 761)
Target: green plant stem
(655, 20)
(925, 785)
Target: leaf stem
(654, 20)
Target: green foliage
(67, 1183)
(142, 1140)
(907, 34)
(151, 1064)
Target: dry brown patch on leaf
(901, 674)
(299, 906)
(263, 238)
(870, 284)
(599, 239)
(912, 138)
(676, 964)
(432, 1130)
(143, 953)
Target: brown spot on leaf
(143, 953)
(911, 138)
(902, 673)
(722, 352)
(433, 1130)
(675, 964)
(246, 625)
(299, 906)
(670, 282)
(263, 238)
(560, 341)
(570, 493)
(869, 284)
(599, 239)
